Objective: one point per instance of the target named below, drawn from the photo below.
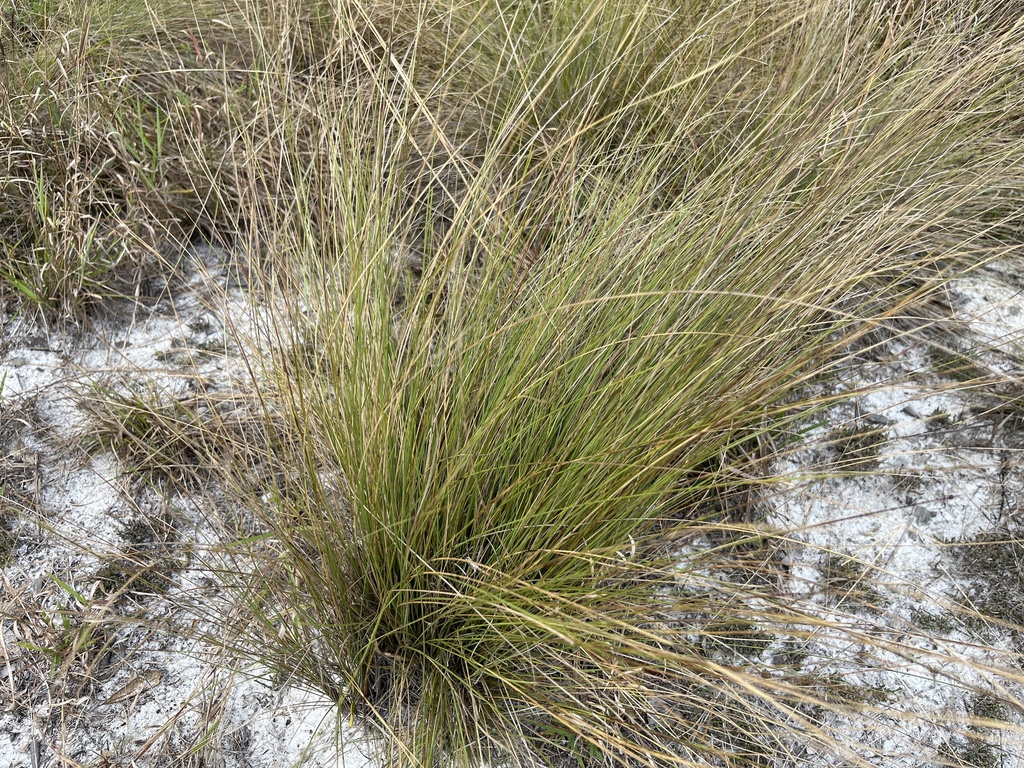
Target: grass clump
(153, 432)
(177, 434)
(509, 362)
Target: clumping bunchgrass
(179, 433)
(545, 264)
(539, 273)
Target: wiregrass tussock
(521, 331)
(541, 271)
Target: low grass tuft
(152, 431)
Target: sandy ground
(935, 472)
